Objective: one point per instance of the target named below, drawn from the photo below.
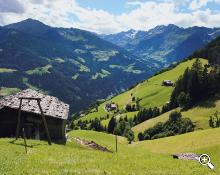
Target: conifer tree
(111, 125)
(211, 122)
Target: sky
(113, 16)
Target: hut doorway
(37, 132)
(28, 127)
(32, 127)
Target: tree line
(146, 114)
(196, 84)
(210, 52)
(121, 126)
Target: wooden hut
(55, 112)
(168, 83)
(111, 106)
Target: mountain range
(75, 65)
(80, 67)
(163, 45)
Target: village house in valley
(55, 111)
(111, 106)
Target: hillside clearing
(6, 70)
(4, 91)
(39, 70)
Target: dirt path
(91, 144)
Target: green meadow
(139, 158)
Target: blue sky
(112, 6)
(112, 16)
(122, 6)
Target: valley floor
(147, 157)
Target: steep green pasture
(182, 143)
(150, 92)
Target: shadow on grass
(150, 95)
(195, 123)
(209, 103)
(18, 142)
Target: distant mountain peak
(30, 20)
(26, 22)
(131, 33)
(163, 28)
(131, 30)
(173, 25)
(30, 26)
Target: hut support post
(116, 143)
(25, 143)
(19, 120)
(45, 123)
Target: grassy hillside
(150, 92)
(148, 157)
(198, 114)
(182, 143)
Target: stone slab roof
(51, 106)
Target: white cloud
(178, 3)
(37, 1)
(52, 13)
(148, 15)
(197, 4)
(217, 1)
(11, 6)
(143, 16)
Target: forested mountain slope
(75, 65)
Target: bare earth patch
(186, 156)
(91, 144)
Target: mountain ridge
(161, 45)
(77, 66)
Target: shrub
(140, 136)
(175, 116)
